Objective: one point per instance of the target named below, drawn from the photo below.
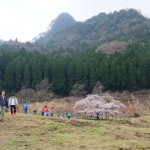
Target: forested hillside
(126, 26)
(127, 67)
(119, 71)
(63, 21)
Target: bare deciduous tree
(78, 90)
(43, 85)
(98, 88)
(27, 94)
(43, 91)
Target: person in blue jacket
(68, 115)
(25, 107)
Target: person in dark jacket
(3, 105)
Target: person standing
(3, 105)
(13, 102)
(68, 115)
(25, 107)
(35, 111)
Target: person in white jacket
(13, 101)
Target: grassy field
(30, 132)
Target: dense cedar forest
(118, 71)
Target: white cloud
(25, 19)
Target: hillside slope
(38, 133)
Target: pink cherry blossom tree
(95, 105)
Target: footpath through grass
(30, 132)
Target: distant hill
(1, 42)
(63, 21)
(67, 35)
(104, 32)
(39, 43)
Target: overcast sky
(25, 19)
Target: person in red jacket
(45, 111)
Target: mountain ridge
(63, 21)
(103, 32)
(126, 25)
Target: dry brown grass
(137, 106)
(112, 47)
(136, 102)
(61, 105)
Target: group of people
(45, 112)
(5, 103)
(12, 102)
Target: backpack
(25, 106)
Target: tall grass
(62, 105)
(136, 102)
(141, 107)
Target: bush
(98, 88)
(27, 94)
(43, 86)
(43, 91)
(78, 90)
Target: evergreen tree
(58, 80)
(10, 77)
(132, 77)
(70, 75)
(48, 71)
(27, 76)
(36, 73)
(123, 76)
(18, 73)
